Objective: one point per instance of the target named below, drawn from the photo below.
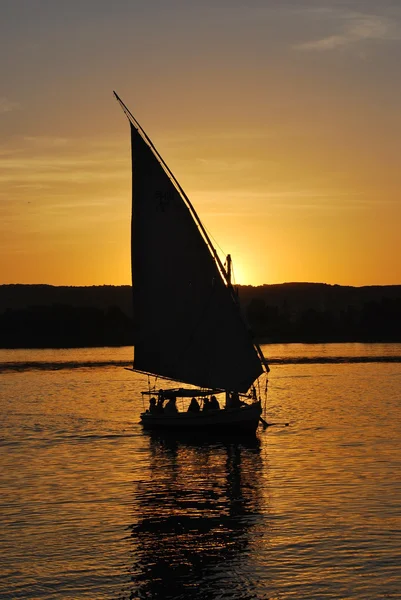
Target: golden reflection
(193, 516)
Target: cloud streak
(355, 28)
(43, 162)
(7, 105)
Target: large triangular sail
(187, 327)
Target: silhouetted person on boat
(194, 406)
(152, 406)
(171, 407)
(254, 396)
(206, 404)
(234, 401)
(160, 401)
(214, 403)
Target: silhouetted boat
(188, 325)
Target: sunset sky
(281, 120)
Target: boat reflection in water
(195, 513)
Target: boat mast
(234, 296)
(228, 268)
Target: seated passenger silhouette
(194, 406)
(206, 404)
(171, 407)
(234, 401)
(152, 406)
(214, 403)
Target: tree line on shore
(281, 313)
(374, 321)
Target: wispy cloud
(7, 105)
(354, 28)
(220, 165)
(46, 141)
(41, 162)
(259, 203)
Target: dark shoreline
(37, 365)
(43, 316)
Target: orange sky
(281, 121)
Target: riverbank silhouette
(43, 316)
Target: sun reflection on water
(193, 516)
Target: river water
(93, 507)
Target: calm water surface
(92, 507)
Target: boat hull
(243, 420)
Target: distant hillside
(320, 296)
(293, 296)
(318, 312)
(50, 316)
(98, 296)
(46, 316)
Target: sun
(241, 274)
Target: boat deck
(227, 420)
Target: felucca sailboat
(188, 326)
